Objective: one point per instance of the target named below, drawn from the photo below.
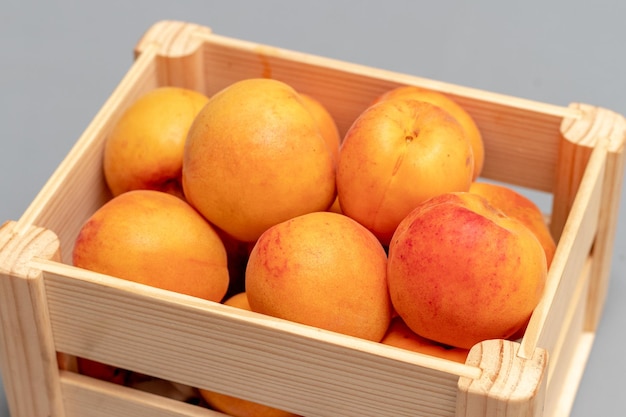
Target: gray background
(60, 60)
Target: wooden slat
(560, 404)
(579, 137)
(203, 344)
(571, 254)
(566, 351)
(612, 127)
(571, 329)
(88, 397)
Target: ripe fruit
(255, 157)
(154, 238)
(321, 269)
(238, 407)
(461, 271)
(459, 113)
(397, 154)
(237, 256)
(335, 207)
(239, 300)
(516, 205)
(103, 371)
(145, 148)
(400, 335)
(325, 122)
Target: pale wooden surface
(571, 348)
(509, 385)
(28, 355)
(174, 337)
(91, 314)
(83, 393)
(571, 254)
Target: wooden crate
(574, 154)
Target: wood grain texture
(27, 354)
(559, 402)
(580, 135)
(510, 386)
(566, 352)
(611, 127)
(88, 397)
(208, 345)
(571, 254)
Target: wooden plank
(560, 403)
(88, 397)
(571, 254)
(579, 137)
(613, 128)
(571, 330)
(203, 344)
(566, 351)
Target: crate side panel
(521, 146)
(521, 139)
(204, 344)
(571, 255)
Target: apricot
(157, 239)
(239, 300)
(237, 253)
(472, 131)
(321, 269)
(254, 157)
(397, 154)
(102, 371)
(335, 207)
(325, 122)
(401, 336)
(238, 407)
(145, 148)
(515, 204)
(460, 271)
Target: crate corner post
(27, 355)
(593, 127)
(509, 385)
(178, 49)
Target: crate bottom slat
(89, 397)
